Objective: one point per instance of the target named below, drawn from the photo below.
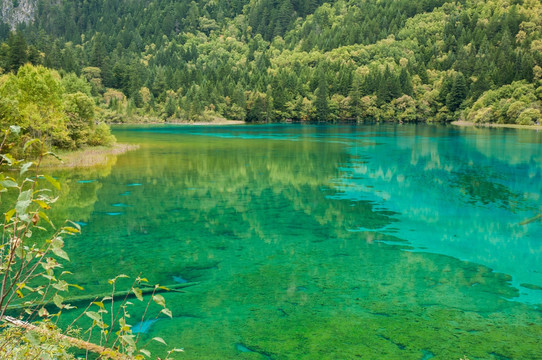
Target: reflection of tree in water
(259, 224)
(79, 191)
(201, 199)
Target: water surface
(322, 242)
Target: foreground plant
(32, 281)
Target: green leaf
(128, 339)
(61, 285)
(57, 299)
(19, 252)
(146, 352)
(53, 181)
(25, 195)
(159, 339)
(30, 143)
(25, 167)
(8, 183)
(53, 155)
(159, 299)
(94, 316)
(9, 159)
(56, 246)
(23, 202)
(61, 253)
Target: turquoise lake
(321, 241)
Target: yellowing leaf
(9, 214)
(53, 181)
(42, 204)
(77, 286)
(44, 216)
(167, 312)
(71, 229)
(43, 312)
(99, 304)
(159, 299)
(138, 293)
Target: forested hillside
(275, 60)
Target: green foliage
(321, 101)
(20, 344)
(510, 104)
(57, 110)
(198, 59)
(101, 136)
(26, 272)
(457, 93)
(73, 84)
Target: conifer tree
(17, 55)
(321, 101)
(355, 99)
(406, 82)
(458, 93)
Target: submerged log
(78, 343)
(533, 219)
(145, 290)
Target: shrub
(101, 136)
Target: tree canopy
(268, 60)
(46, 106)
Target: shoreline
(463, 123)
(87, 157)
(194, 123)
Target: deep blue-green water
(322, 242)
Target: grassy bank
(151, 121)
(88, 157)
(493, 125)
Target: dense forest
(299, 60)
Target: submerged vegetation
(276, 60)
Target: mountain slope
(272, 60)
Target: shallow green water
(322, 242)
